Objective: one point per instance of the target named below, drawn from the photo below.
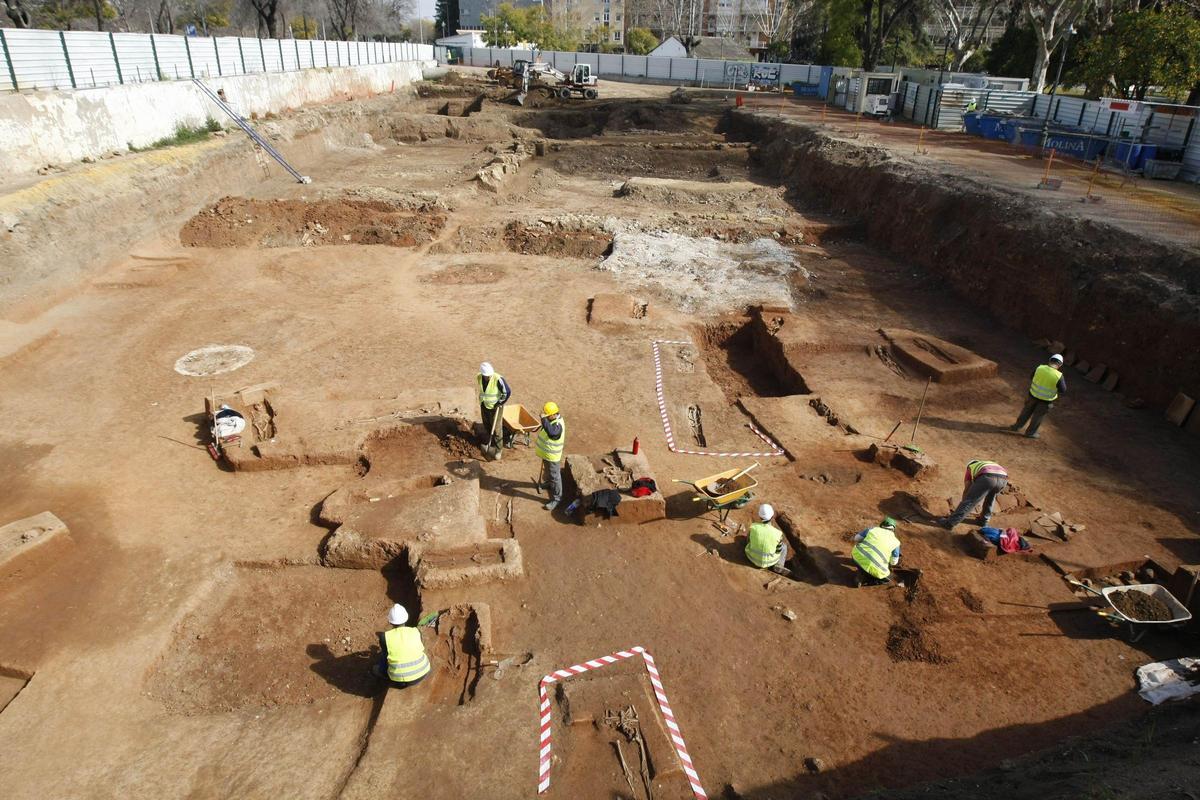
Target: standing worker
(494, 392)
(549, 447)
(876, 551)
(765, 547)
(403, 661)
(1045, 387)
(983, 480)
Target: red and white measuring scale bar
(659, 692)
(776, 450)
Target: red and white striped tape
(776, 450)
(659, 692)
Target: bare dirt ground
(1168, 209)
(189, 644)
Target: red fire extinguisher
(636, 445)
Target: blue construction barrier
(971, 123)
(805, 89)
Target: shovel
(720, 485)
(496, 421)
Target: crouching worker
(765, 547)
(403, 661)
(876, 551)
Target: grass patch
(184, 134)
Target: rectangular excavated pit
(590, 710)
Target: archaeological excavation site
(628, 447)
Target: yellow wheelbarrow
(519, 422)
(724, 491)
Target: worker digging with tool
(494, 392)
(983, 480)
(765, 547)
(549, 447)
(876, 551)
(1044, 388)
(403, 661)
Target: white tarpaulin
(1169, 680)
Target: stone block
(39, 533)
(1183, 583)
(1069, 358)
(1083, 366)
(1178, 411)
(438, 567)
(936, 358)
(1110, 381)
(915, 464)
(398, 511)
(979, 547)
(1193, 424)
(1055, 347)
(1096, 373)
(617, 470)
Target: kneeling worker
(876, 551)
(403, 661)
(549, 447)
(765, 547)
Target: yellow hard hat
(550, 409)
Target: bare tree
(269, 12)
(967, 25)
(17, 13)
(1050, 20)
(774, 20)
(343, 17)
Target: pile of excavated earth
(704, 292)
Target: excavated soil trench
(739, 363)
(246, 222)
(1130, 302)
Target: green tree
(1014, 52)
(304, 27)
(839, 42)
(1145, 50)
(779, 51)
(446, 18)
(511, 26)
(640, 41)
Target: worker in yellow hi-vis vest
(1045, 387)
(493, 393)
(551, 439)
(876, 551)
(765, 546)
(403, 661)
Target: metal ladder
(254, 135)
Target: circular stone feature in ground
(214, 359)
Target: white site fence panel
(695, 71)
(39, 59)
(1172, 128)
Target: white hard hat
(397, 616)
(765, 512)
(486, 370)
(1056, 357)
